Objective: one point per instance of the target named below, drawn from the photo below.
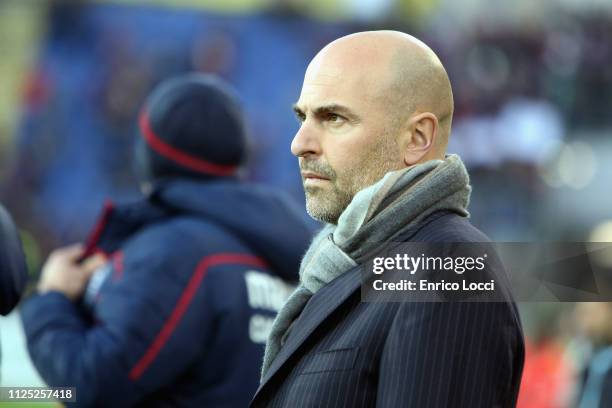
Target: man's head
(191, 126)
(371, 103)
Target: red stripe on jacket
(183, 303)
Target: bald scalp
(408, 76)
(420, 84)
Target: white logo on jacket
(264, 292)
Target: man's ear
(421, 137)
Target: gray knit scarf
(375, 216)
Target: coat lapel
(318, 308)
(325, 302)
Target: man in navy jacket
(171, 300)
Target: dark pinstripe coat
(342, 352)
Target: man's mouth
(310, 176)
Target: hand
(63, 273)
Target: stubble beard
(327, 204)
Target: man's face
(347, 138)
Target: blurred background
(533, 93)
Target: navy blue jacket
(180, 314)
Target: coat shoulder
(448, 227)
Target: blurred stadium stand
(532, 84)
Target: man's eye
(334, 118)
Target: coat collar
(323, 303)
(116, 223)
(319, 307)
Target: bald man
(375, 115)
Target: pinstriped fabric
(342, 352)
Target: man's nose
(306, 141)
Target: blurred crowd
(531, 119)
(520, 94)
